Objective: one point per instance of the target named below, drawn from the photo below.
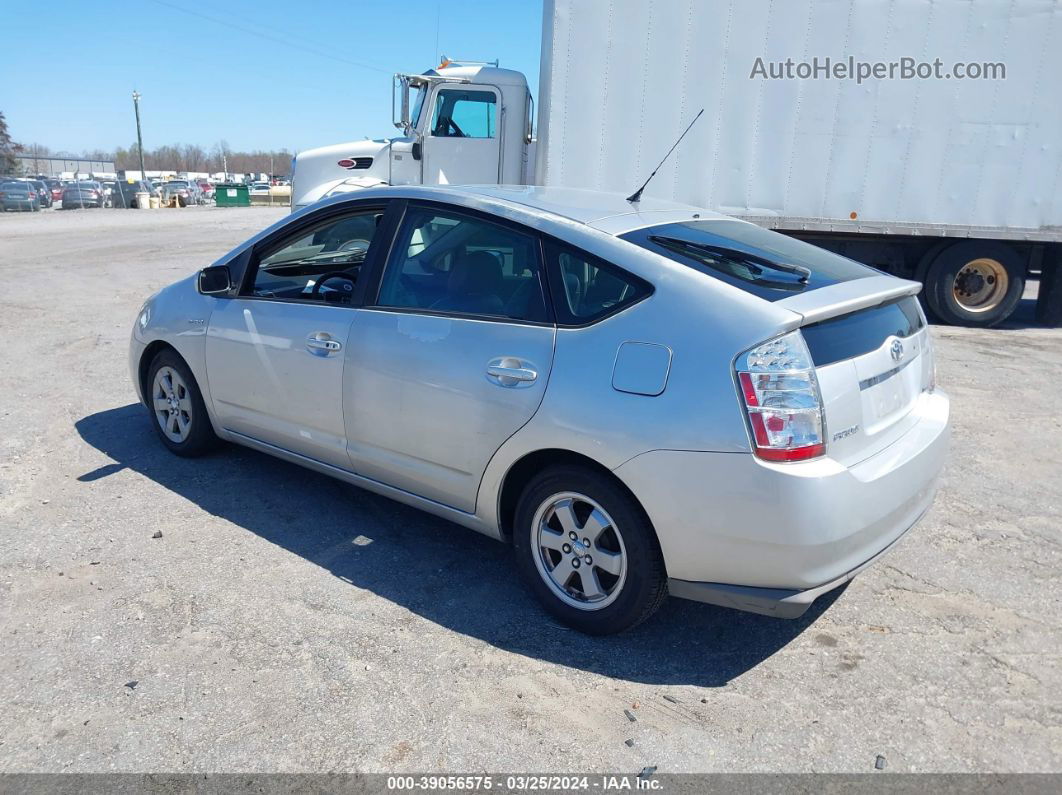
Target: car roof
(605, 211)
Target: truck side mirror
(401, 83)
(215, 280)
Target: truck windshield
(418, 106)
(765, 263)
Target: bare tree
(185, 157)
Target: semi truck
(924, 139)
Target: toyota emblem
(896, 349)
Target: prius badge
(896, 350)
(846, 433)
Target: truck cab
(462, 124)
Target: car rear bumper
(775, 602)
(772, 537)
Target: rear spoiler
(849, 296)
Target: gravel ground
(286, 622)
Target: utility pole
(139, 140)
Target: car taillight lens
(782, 399)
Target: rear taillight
(782, 399)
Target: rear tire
(608, 585)
(975, 283)
(176, 406)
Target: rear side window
(586, 288)
(861, 332)
(765, 263)
(450, 262)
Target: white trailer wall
(621, 79)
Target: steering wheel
(316, 291)
(354, 245)
(445, 124)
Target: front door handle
(322, 344)
(511, 372)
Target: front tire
(588, 551)
(178, 412)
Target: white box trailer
(888, 170)
(923, 138)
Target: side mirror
(401, 83)
(215, 280)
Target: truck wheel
(588, 551)
(975, 283)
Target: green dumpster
(231, 195)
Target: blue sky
(260, 74)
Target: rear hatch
(864, 330)
(873, 361)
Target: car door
(453, 356)
(275, 353)
(462, 146)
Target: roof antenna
(635, 197)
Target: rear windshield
(854, 334)
(757, 260)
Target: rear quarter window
(765, 263)
(586, 289)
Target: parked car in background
(56, 188)
(206, 188)
(123, 193)
(44, 195)
(19, 195)
(87, 193)
(194, 192)
(644, 401)
(185, 195)
(259, 189)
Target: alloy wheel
(579, 551)
(172, 404)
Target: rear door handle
(322, 344)
(511, 372)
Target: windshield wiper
(756, 265)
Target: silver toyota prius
(642, 399)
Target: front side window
(321, 263)
(464, 114)
(588, 288)
(447, 262)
